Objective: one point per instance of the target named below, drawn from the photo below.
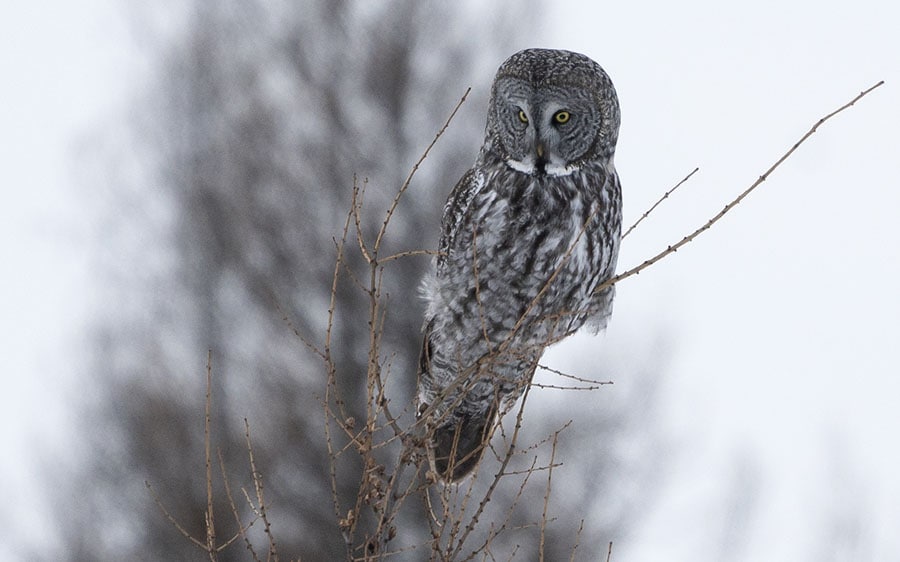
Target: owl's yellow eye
(561, 117)
(522, 117)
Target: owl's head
(552, 111)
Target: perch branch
(690, 237)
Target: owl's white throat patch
(560, 170)
(551, 169)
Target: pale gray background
(780, 324)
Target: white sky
(64, 73)
(782, 320)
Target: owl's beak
(540, 161)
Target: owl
(528, 235)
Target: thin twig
(561, 387)
(547, 496)
(242, 530)
(285, 317)
(331, 392)
(408, 253)
(658, 201)
(674, 248)
(532, 469)
(356, 205)
(210, 519)
(572, 377)
(171, 519)
(260, 498)
(577, 541)
(412, 172)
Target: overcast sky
(783, 319)
(66, 68)
(780, 324)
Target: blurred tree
(237, 179)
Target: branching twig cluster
(255, 502)
(395, 479)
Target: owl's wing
(455, 211)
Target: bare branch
(412, 172)
(577, 541)
(210, 518)
(658, 201)
(674, 248)
(171, 519)
(547, 495)
(242, 530)
(408, 253)
(260, 497)
(573, 377)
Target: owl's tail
(458, 446)
(459, 439)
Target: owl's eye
(522, 117)
(561, 117)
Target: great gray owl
(527, 236)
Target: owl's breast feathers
(519, 248)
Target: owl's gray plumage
(528, 234)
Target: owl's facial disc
(545, 129)
(539, 140)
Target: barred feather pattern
(525, 243)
